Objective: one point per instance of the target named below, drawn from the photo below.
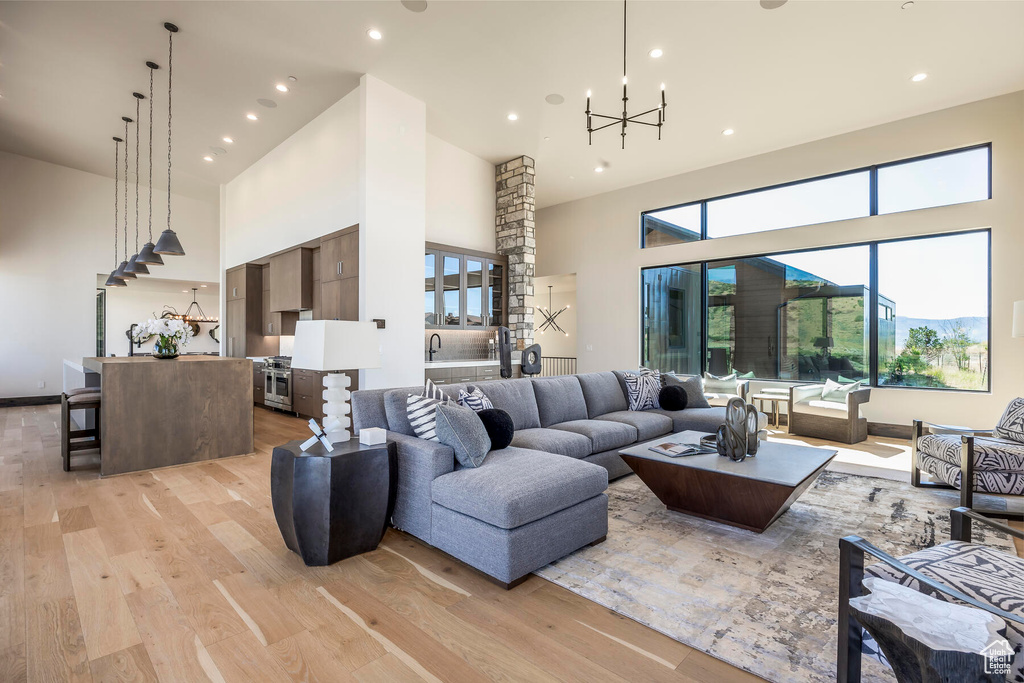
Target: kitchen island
(157, 413)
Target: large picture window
(810, 315)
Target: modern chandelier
(549, 317)
(624, 119)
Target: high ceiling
(779, 77)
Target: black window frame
(871, 305)
(872, 189)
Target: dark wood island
(157, 413)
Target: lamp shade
(168, 244)
(135, 267)
(1018, 318)
(147, 256)
(329, 345)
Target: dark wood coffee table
(750, 494)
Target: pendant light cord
(170, 72)
(623, 39)
(137, 107)
(117, 185)
(126, 120)
(150, 202)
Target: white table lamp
(1018, 318)
(333, 345)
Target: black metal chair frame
(967, 437)
(852, 550)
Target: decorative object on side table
(333, 345)
(171, 336)
(732, 436)
(333, 504)
(318, 437)
(372, 436)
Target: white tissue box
(371, 436)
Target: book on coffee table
(678, 450)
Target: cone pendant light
(114, 280)
(133, 265)
(168, 243)
(147, 256)
(122, 270)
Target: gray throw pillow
(695, 397)
(1011, 424)
(462, 429)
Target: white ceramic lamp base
(336, 407)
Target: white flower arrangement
(170, 331)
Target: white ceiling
(782, 77)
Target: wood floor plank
(12, 620)
(387, 669)
(75, 519)
(46, 569)
(239, 657)
(267, 618)
(106, 620)
(12, 559)
(132, 664)
(305, 658)
(207, 611)
(135, 571)
(12, 664)
(54, 645)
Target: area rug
(766, 602)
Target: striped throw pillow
(474, 399)
(422, 413)
(642, 389)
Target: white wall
(140, 301)
(598, 239)
(460, 197)
(56, 236)
(305, 187)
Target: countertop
(467, 363)
(96, 364)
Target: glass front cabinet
(463, 291)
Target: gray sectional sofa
(537, 500)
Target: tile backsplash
(459, 344)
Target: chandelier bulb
(662, 86)
(623, 80)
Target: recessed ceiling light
(728, 131)
(599, 169)
(655, 53)
(772, 4)
(202, 285)
(281, 87)
(184, 291)
(513, 117)
(546, 137)
(554, 98)
(217, 151)
(292, 79)
(917, 78)
(264, 102)
(207, 158)
(252, 117)
(227, 140)
(415, 5)
(375, 34)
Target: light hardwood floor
(181, 575)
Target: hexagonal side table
(331, 505)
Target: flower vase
(165, 348)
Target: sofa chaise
(541, 498)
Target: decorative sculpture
(756, 431)
(318, 435)
(731, 438)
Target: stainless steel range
(277, 378)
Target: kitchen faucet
(432, 350)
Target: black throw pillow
(499, 427)
(673, 397)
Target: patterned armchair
(992, 459)
(958, 571)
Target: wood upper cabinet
(234, 340)
(291, 280)
(340, 299)
(243, 322)
(276, 323)
(235, 282)
(339, 257)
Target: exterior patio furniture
(810, 415)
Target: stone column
(515, 222)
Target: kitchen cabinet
(276, 323)
(468, 374)
(291, 280)
(235, 282)
(463, 291)
(340, 299)
(317, 293)
(339, 257)
(257, 383)
(244, 314)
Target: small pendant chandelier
(133, 265)
(188, 316)
(168, 243)
(147, 256)
(122, 270)
(114, 280)
(625, 119)
(549, 316)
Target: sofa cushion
(989, 454)
(694, 389)
(517, 486)
(985, 481)
(553, 441)
(422, 415)
(728, 384)
(603, 393)
(474, 398)
(836, 392)
(821, 408)
(395, 404)
(604, 435)
(559, 399)
(515, 397)
(648, 423)
(698, 419)
(461, 428)
(1011, 424)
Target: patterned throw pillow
(421, 411)
(837, 393)
(642, 388)
(474, 399)
(1011, 424)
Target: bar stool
(87, 398)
